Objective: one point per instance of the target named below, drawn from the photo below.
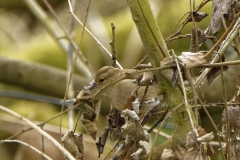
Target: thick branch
(148, 30)
(37, 77)
(156, 50)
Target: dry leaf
(102, 141)
(90, 127)
(73, 143)
(180, 152)
(233, 116)
(136, 155)
(168, 154)
(206, 138)
(149, 104)
(194, 154)
(175, 77)
(146, 105)
(216, 71)
(147, 78)
(97, 108)
(129, 114)
(129, 127)
(192, 59)
(190, 142)
(82, 96)
(136, 106)
(79, 142)
(167, 73)
(201, 131)
(224, 8)
(201, 37)
(134, 131)
(199, 16)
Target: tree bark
(37, 77)
(156, 50)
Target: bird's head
(103, 76)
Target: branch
(27, 145)
(42, 132)
(156, 50)
(229, 38)
(148, 30)
(37, 77)
(57, 32)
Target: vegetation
(174, 67)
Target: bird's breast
(118, 94)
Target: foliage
(163, 85)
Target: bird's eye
(100, 80)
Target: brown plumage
(118, 93)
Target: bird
(118, 93)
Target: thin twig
(80, 55)
(217, 104)
(28, 145)
(186, 20)
(112, 44)
(226, 112)
(194, 25)
(75, 59)
(78, 117)
(220, 64)
(140, 62)
(214, 126)
(224, 35)
(188, 75)
(43, 144)
(98, 42)
(43, 123)
(42, 132)
(232, 34)
(161, 134)
(158, 121)
(70, 93)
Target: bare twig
(190, 80)
(42, 132)
(214, 126)
(70, 93)
(225, 34)
(79, 53)
(220, 64)
(161, 134)
(196, 39)
(75, 59)
(226, 114)
(98, 42)
(52, 29)
(43, 123)
(186, 20)
(213, 38)
(232, 34)
(112, 44)
(28, 145)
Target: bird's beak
(90, 86)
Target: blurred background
(35, 57)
